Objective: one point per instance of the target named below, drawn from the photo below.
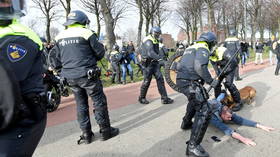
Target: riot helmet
(77, 16)
(10, 9)
(116, 47)
(210, 38)
(232, 33)
(155, 32)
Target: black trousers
(82, 88)
(21, 141)
(278, 65)
(150, 70)
(116, 72)
(229, 78)
(197, 108)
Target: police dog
(247, 95)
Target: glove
(214, 83)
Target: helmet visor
(10, 9)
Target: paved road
(153, 130)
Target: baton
(225, 68)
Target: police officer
(276, 50)
(191, 75)
(232, 44)
(21, 49)
(163, 51)
(151, 67)
(115, 58)
(77, 52)
(219, 59)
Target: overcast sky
(129, 22)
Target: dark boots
(237, 107)
(143, 100)
(167, 100)
(86, 138)
(277, 69)
(185, 125)
(196, 150)
(107, 133)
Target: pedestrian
(259, 51)
(192, 73)
(77, 52)
(232, 44)
(22, 102)
(115, 58)
(151, 67)
(220, 58)
(125, 65)
(276, 50)
(272, 55)
(163, 51)
(131, 52)
(244, 54)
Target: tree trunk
(224, 22)
(140, 24)
(97, 15)
(109, 24)
(279, 25)
(48, 34)
(211, 18)
(200, 21)
(68, 9)
(147, 26)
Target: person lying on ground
(222, 115)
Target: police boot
(196, 150)
(277, 70)
(86, 137)
(185, 125)
(237, 107)
(167, 100)
(143, 100)
(131, 77)
(108, 132)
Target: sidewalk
(154, 130)
(120, 96)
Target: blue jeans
(128, 66)
(132, 57)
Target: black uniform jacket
(76, 51)
(194, 64)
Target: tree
(149, 9)
(189, 12)
(112, 11)
(66, 5)
(253, 10)
(211, 14)
(93, 6)
(161, 15)
(48, 9)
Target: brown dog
(247, 95)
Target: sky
(129, 22)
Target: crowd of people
(75, 54)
